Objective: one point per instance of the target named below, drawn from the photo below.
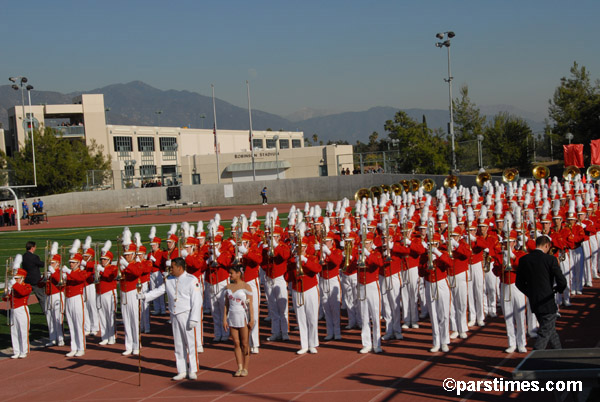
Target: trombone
(430, 266)
(8, 276)
(321, 236)
(507, 264)
(299, 270)
(389, 285)
(361, 262)
(451, 274)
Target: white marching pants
(370, 308)
(146, 310)
(587, 261)
(438, 303)
(577, 257)
(156, 279)
(349, 283)
(254, 335)
(307, 316)
(54, 308)
(491, 293)
(565, 267)
(409, 294)
(130, 313)
(513, 307)
(458, 308)
(91, 309)
(476, 292)
(330, 290)
(75, 318)
(278, 305)
(186, 343)
(217, 305)
(106, 314)
(390, 298)
(19, 331)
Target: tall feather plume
(317, 212)
(311, 213)
(17, 262)
(75, 247)
(87, 243)
(234, 222)
(291, 218)
(470, 214)
(402, 214)
(483, 213)
(299, 217)
(138, 239)
(244, 223)
(218, 218)
(200, 227)
(152, 234)
(326, 224)
(54, 248)
(126, 237)
(172, 230)
(347, 226)
(192, 231)
(268, 220)
(306, 208)
(302, 229)
(107, 246)
(185, 229)
(253, 217)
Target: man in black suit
(32, 264)
(536, 277)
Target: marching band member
(329, 285)
(183, 291)
(17, 295)
(349, 279)
(390, 282)
(219, 263)
(54, 299)
(106, 289)
(410, 274)
(91, 309)
(130, 276)
(457, 277)
(251, 258)
(278, 295)
(156, 256)
(146, 269)
(172, 251)
(513, 301)
(302, 273)
(195, 265)
(562, 242)
(483, 250)
(369, 294)
(74, 309)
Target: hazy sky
(339, 55)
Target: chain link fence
(99, 180)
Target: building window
(257, 143)
(123, 144)
(271, 143)
(129, 170)
(146, 144)
(168, 143)
(284, 144)
(147, 170)
(296, 143)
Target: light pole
(31, 122)
(569, 137)
(446, 43)
(22, 81)
(158, 113)
(480, 150)
(202, 117)
(276, 138)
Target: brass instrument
(61, 281)
(451, 181)
(540, 172)
(451, 274)
(594, 172)
(389, 285)
(487, 262)
(396, 188)
(405, 184)
(482, 178)
(414, 185)
(238, 240)
(271, 234)
(96, 272)
(507, 264)
(299, 270)
(430, 266)
(570, 172)
(321, 236)
(385, 188)
(362, 193)
(362, 261)
(119, 245)
(347, 254)
(376, 192)
(428, 186)
(509, 175)
(8, 276)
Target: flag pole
(251, 139)
(215, 133)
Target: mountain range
(137, 103)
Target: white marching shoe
(179, 376)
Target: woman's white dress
(238, 307)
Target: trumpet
(299, 270)
(362, 261)
(430, 266)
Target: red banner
(595, 145)
(573, 155)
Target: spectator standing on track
(40, 205)
(25, 209)
(536, 278)
(32, 264)
(263, 194)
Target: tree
(423, 151)
(61, 164)
(509, 137)
(315, 138)
(575, 108)
(468, 124)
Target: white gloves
(487, 250)
(390, 244)
(243, 249)
(11, 283)
(437, 252)
(454, 244)
(137, 259)
(304, 259)
(424, 244)
(66, 270)
(366, 252)
(141, 296)
(275, 243)
(191, 325)
(51, 269)
(184, 253)
(168, 263)
(326, 250)
(473, 238)
(100, 268)
(342, 243)
(152, 258)
(217, 253)
(317, 246)
(123, 262)
(408, 242)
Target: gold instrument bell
(482, 178)
(428, 186)
(376, 191)
(396, 188)
(362, 193)
(405, 184)
(509, 175)
(570, 172)
(540, 172)
(451, 181)
(385, 188)
(594, 172)
(414, 184)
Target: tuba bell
(482, 178)
(540, 172)
(405, 184)
(509, 175)
(396, 188)
(451, 181)
(376, 192)
(385, 188)
(570, 172)
(594, 172)
(414, 184)
(428, 186)
(362, 193)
